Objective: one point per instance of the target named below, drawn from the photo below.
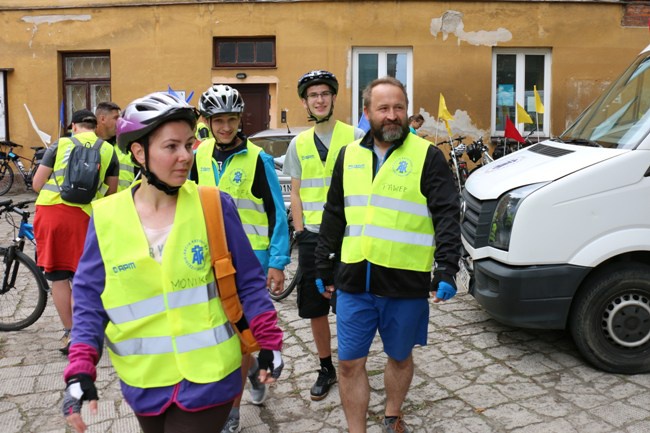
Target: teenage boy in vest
(60, 226)
(244, 171)
(107, 114)
(309, 161)
(391, 195)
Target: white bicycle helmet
(220, 99)
(145, 114)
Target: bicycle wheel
(6, 177)
(23, 292)
(291, 274)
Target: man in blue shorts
(391, 209)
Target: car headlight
(504, 215)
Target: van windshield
(620, 117)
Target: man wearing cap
(60, 226)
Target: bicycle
(457, 165)
(292, 271)
(7, 174)
(21, 304)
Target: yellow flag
(447, 126)
(443, 113)
(539, 107)
(522, 115)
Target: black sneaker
(321, 388)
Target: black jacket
(437, 186)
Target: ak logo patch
(403, 166)
(194, 254)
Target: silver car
(275, 142)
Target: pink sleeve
(266, 331)
(83, 359)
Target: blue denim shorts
(402, 323)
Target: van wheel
(610, 320)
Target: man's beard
(390, 132)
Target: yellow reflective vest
(50, 194)
(127, 169)
(316, 176)
(166, 319)
(388, 220)
(237, 180)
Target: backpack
(81, 175)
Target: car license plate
(286, 187)
(463, 278)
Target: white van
(558, 233)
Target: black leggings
(176, 420)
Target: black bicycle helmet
(317, 77)
(145, 114)
(220, 99)
(475, 150)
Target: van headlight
(504, 215)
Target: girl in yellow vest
(145, 285)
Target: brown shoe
(66, 342)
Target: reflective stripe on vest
(237, 180)
(127, 169)
(50, 194)
(392, 226)
(316, 177)
(166, 320)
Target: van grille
(476, 219)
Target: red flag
(511, 131)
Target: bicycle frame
(27, 174)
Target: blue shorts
(402, 323)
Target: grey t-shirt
(293, 168)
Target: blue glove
(80, 387)
(271, 360)
(445, 291)
(320, 286)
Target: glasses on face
(325, 95)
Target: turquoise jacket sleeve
(279, 243)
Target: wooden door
(257, 103)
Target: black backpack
(81, 175)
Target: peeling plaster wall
(451, 22)
(451, 41)
(51, 19)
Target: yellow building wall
(152, 47)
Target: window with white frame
(515, 75)
(376, 62)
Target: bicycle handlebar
(10, 206)
(10, 143)
(459, 139)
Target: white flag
(45, 138)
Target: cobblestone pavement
(475, 375)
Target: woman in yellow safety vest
(145, 284)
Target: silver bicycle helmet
(145, 114)
(318, 76)
(220, 99)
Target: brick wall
(637, 14)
